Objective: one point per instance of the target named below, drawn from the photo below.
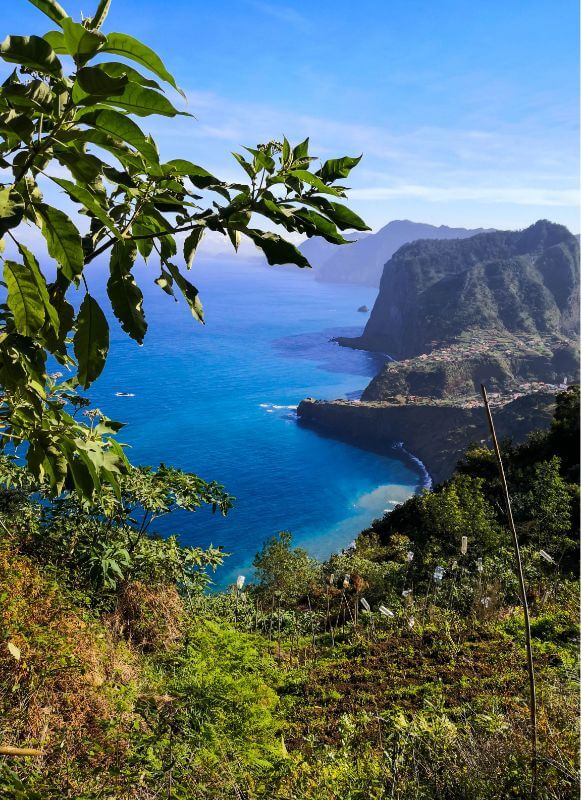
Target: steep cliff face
(362, 263)
(522, 283)
(437, 434)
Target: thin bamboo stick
(523, 594)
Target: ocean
(220, 400)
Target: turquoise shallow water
(220, 400)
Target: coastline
(434, 435)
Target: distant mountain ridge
(511, 282)
(362, 263)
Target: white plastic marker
(464, 545)
(365, 604)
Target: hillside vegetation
(394, 670)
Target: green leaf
(19, 124)
(95, 81)
(82, 166)
(117, 125)
(63, 240)
(81, 43)
(180, 166)
(22, 298)
(246, 165)
(123, 45)
(191, 243)
(346, 219)
(56, 39)
(142, 101)
(145, 246)
(84, 196)
(286, 152)
(11, 209)
(51, 314)
(115, 69)
(36, 95)
(189, 292)
(91, 341)
(46, 461)
(51, 8)
(337, 168)
(307, 177)
(261, 160)
(66, 316)
(82, 478)
(31, 51)
(320, 226)
(165, 282)
(126, 297)
(301, 151)
(276, 249)
(121, 178)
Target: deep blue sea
(220, 400)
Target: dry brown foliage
(149, 617)
(61, 693)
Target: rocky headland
(436, 433)
(499, 308)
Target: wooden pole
(523, 594)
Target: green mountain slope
(523, 283)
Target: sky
(467, 114)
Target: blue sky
(466, 113)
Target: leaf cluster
(67, 118)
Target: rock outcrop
(437, 434)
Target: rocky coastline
(499, 308)
(434, 433)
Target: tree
(98, 547)
(283, 570)
(68, 105)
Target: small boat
(124, 394)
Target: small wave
(275, 407)
(426, 482)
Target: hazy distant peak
(362, 262)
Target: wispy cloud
(522, 196)
(285, 14)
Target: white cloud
(527, 196)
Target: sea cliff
(437, 433)
(499, 308)
(515, 284)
